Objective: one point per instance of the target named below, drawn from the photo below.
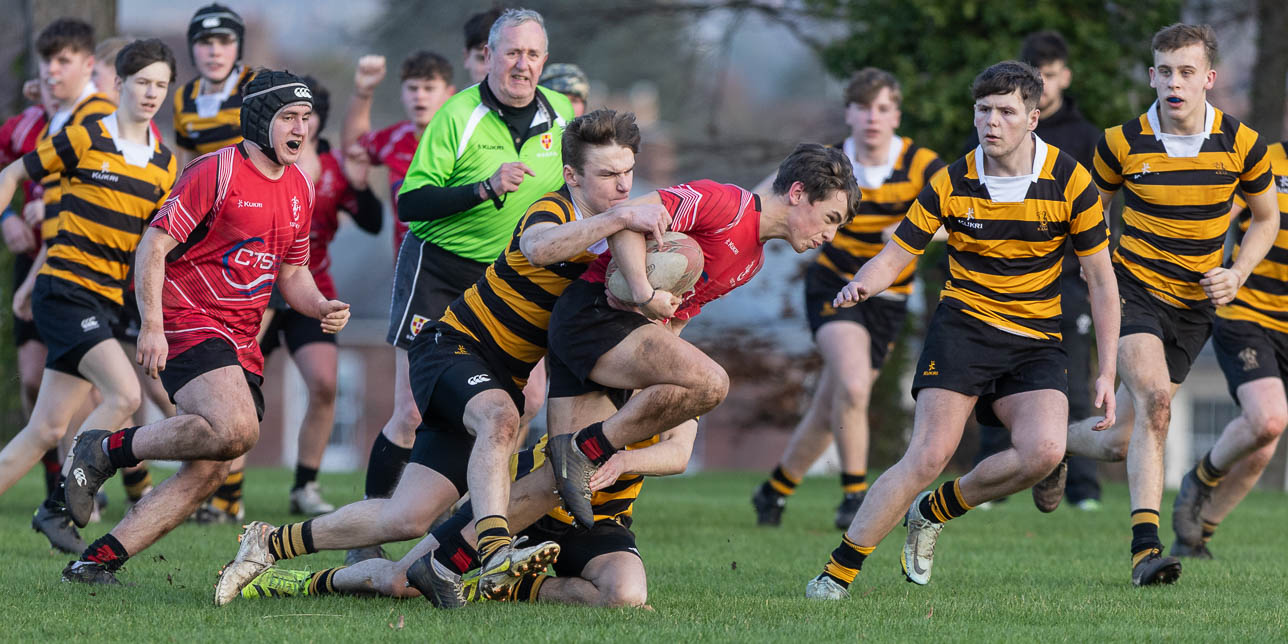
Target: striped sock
(780, 483)
(136, 482)
(1207, 473)
(1144, 535)
(944, 503)
(846, 561)
(529, 587)
(229, 495)
(292, 540)
(493, 532)
(854, 483)
(1209, 529)
(323, 582)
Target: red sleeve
(702, 206)
(372, 142)
(193, 199)
(348, 200)
(8, 147)
(298, 253)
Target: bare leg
(1265, 413)
(317, 364)
(846, 349)
(814, 431)
(614, 579)
(1038, 421)
(31, 365)
(494, 421)
(111, 372)
(421, 495)
(400, 429)
(58, 400)
(1238, 481)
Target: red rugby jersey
(393, 147)
(235, 227)
(725, 221)
(333, 194)
(18, 136)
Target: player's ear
(570, 177)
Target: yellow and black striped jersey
(508, 310)
(90, 107)
(1176, 209)
(206, 130)
(613, 503)
(1005, 257)
(880, 208)
(106, 204)
(1263, 299)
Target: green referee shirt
(465, 143)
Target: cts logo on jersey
(547, 140)
(248, 255)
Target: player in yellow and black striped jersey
(116, 174)
(1250, 338)
(891, 170)
(207, 109)
(1010, 208)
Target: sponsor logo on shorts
(827, 309)
(478, 380)
(89, 324)
(460, 350)
(417, 323)
(1249, 358)
(931, 369)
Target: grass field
(1008, 574)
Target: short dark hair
(822, 170)
(65, 33)
(321, 102)
(1006, 77)
(868, 82)
(427, 65)
(478, 26)
(601, 127)
(140, 54)
(1179, 35)
(1043, 48)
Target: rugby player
(1180, 164)
(469, 367)
(569, 80)
(207, 109)
(1250, 338)
(854, 341)
(1010, 206)
(477, 30)
(599, 344)
(236, 224)
(115, 173)
(492, 150)
(338, 185)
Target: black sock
(384, 467)
(57, 499)
(853, 483)
(120, 448)
(52, 468)
(1144, 534)
(779, 483)
(944, 503)
(292, 540)
(106, 550)
(453, 550)
(303, 476)
(322, 581)
(846, 561)
(592, 442)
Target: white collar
(135, 154)
(60, 117)
(873, 176)
(1039, 160)
(1181, 145)
(1209, 115)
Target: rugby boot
(89, 572)
(918, 553)
(848, 508)
(359, 555)
(511, 563)
(824, 587)
(253, 558)
(470, 588)
(208, 514)
(278, 582)
(90, 468)
(1048, 492)
(56, 525)
(440, 586)
(308, 500)
(1156, 569)
(1181, 549)
(1189, 503)
(573, 471)
(769, 507)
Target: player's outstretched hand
(34, 212)
(1105, 399)
(1220, 284)
(371, 70)
(508, 177)
(335, 314)
(851, 294)
(607, 473)
(650, 219)
(152, 349)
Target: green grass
(1009, 574)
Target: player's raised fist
(852, 294)
(334, 315)
(371, 70)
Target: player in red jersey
(598, 344)
(426, 85)
(236, 221)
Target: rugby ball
(673, 265)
